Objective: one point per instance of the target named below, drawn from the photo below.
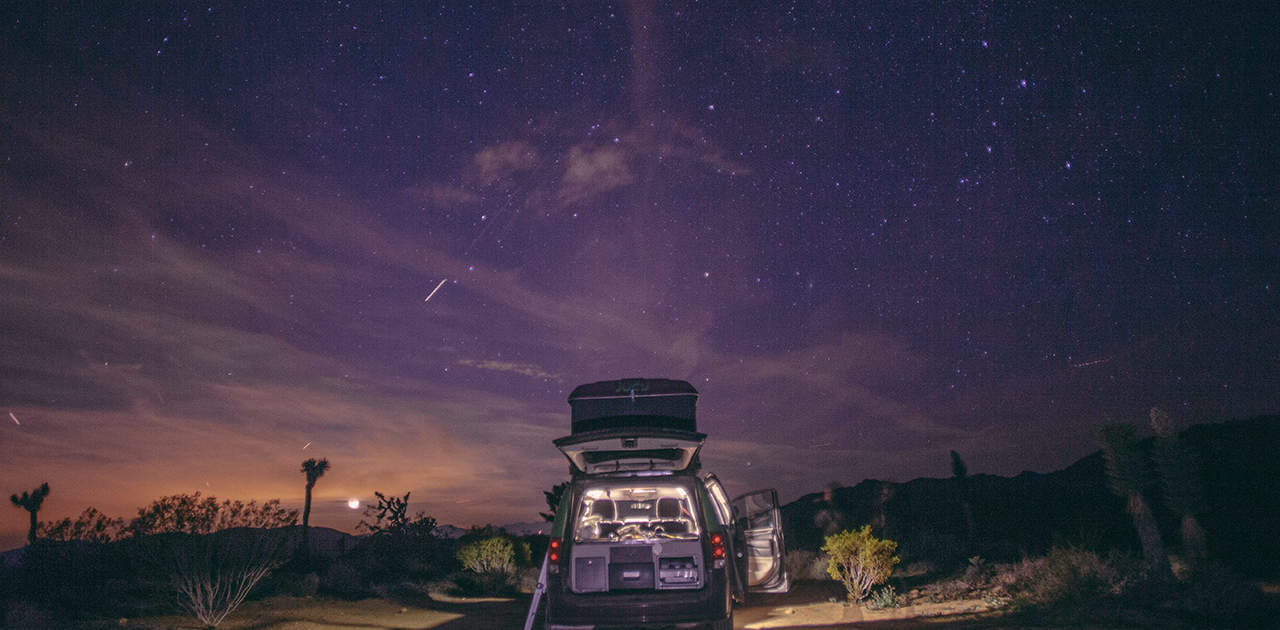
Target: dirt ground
(807, 606)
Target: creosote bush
(489, 566)
(859, 560)
(488, 556)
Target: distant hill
(515, 529)
(1030, 512)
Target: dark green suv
(643, 537)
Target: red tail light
(553, 551)
(717, 547)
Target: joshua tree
(553, 499)
(314, 469)
(31, 502)
(960, 475)
(1128, 472)
(1180, 481)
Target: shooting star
(433, 291)
(15, 419)
(1093, 362)
(304, 446)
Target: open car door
(760, 523)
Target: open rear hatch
(632, 425)
(631, 449)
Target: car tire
(723, 624)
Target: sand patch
(831, 613)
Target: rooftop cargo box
(656, 403)
(632, 424)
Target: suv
(643, 537)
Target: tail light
(718, 554)
(553, 554)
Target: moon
(353, 503)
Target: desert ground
(812, 605)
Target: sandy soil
(807, 606)
(322, 613)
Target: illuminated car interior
(635, 512)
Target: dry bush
(1065, 575)
(213, 573)
(803, 564)
(213, 552)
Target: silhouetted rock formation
(1029, 513)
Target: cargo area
(636, 535)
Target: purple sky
(867, 235)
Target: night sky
(867, 234)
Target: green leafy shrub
(884, 597)
(489, 556)
(859, 560)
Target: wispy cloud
(526, 369)
(593, 170)
(503, 160)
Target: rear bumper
(568, 610)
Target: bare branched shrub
(213, 552)
(213, 573)
(859, 560)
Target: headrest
(669, 507)
(604, 508)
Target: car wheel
(723, 624)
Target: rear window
(642, 511)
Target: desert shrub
(192, 514)
(488, 556)
(526, 579)
(290, 583)
(401, 546)
(859, 560)
(80, 577)
(213, 552)
(489, 566)
(212, 574)
(803, 564)
(470, 584)
(342, 579)
(946, 590)
(1064, 576)
(978, 571)
(91, 526)
(884, 597)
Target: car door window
(765, 548)
(719, 500)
